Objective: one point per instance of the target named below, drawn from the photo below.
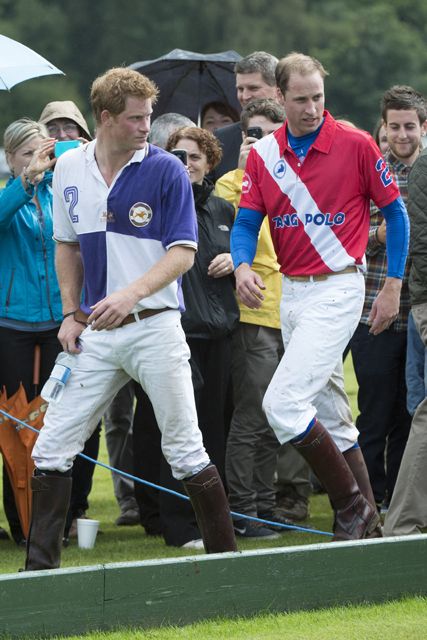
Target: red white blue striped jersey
(318, 209)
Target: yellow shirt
(229, 187)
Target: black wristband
(70, 313)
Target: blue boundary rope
(171, 491)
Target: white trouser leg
(94, 381)
(161, 365)
(333, 410)
(318, 320)
(155, 353)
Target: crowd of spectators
(234, 349)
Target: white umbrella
(19, 63)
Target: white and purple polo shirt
(124, 229)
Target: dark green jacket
(417, 210)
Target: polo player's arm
(69, 269)
(109, 312)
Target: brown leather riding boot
(357, 464)
(210, 505)
(355, 517)
(51, 499)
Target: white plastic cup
(86, 532)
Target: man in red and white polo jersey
(314, 179)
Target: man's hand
(245, 147)
(385, 307)
(41, 161)
(69, 333)
(221, 265)
(248, 286)
(109, 312)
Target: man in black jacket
(254, 79)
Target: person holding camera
(64, 121)
(30, 302)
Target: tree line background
(366, 46)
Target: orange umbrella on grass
(16, 445)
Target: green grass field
(404, 620)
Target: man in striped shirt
(126, 229)
(314, 178)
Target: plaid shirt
(376, 256)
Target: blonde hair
(20, 131)
(296, 63)
(110, 90)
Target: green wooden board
(279, 580)
(46, 603)
(183, 590)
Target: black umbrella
(188, 80)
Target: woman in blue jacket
(30, 303)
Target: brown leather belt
(322, 276)
(80, 316)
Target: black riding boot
(51, 499)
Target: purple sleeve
(179, 221)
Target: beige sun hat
(64, 109)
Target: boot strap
(310, 445)
(202, 486)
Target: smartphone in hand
(181, 154)
(255, 132)
(64, 145)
